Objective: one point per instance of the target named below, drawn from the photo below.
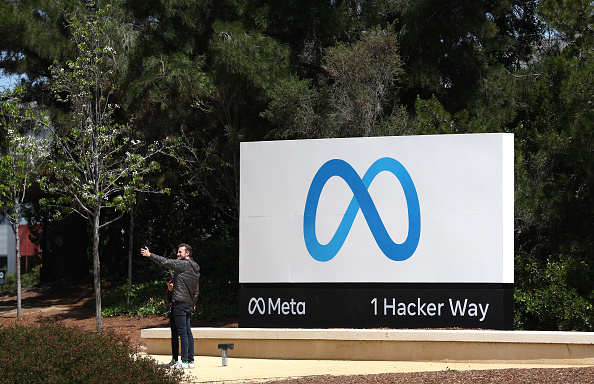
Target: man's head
(184, 251)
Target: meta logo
(276, 306)
(361, 200)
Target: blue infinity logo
(361, 199)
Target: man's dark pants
(174, 336)
(182, 312)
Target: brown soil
(501, 376)
(67, 303)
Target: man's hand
(145, 252)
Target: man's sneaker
(191, 364)
(170, 364)
(180, 365)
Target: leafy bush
(553, 296)
(147, 298)
(218, 299)
(27, 280)
(49, 352)
(215, 301)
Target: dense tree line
(205, 75)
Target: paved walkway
(210, 369)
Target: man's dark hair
(187, 247)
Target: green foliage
(555, 174)
(571, 19)
(24, 149)
(556, 297)
(145, 299)
(27, 280)
(433, 119)
(98, 164)
(554, 182)
(34, 26)
(216, 300)
(363, 75)
(245, 66)
(292, 110)
(247, 58)
(446, 44)
(170, 79)
(357, 98)
(52, 353)
(501, 100)
(307, 27)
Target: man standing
(184, 297)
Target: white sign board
(407, 209)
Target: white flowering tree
(24, 149)
(97, 163)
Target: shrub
(27, 280)
(553, 296)
(49, 352)
(149, 298)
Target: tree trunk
(17, 243)
(130, 251)
(97, 271)
(14, 221)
